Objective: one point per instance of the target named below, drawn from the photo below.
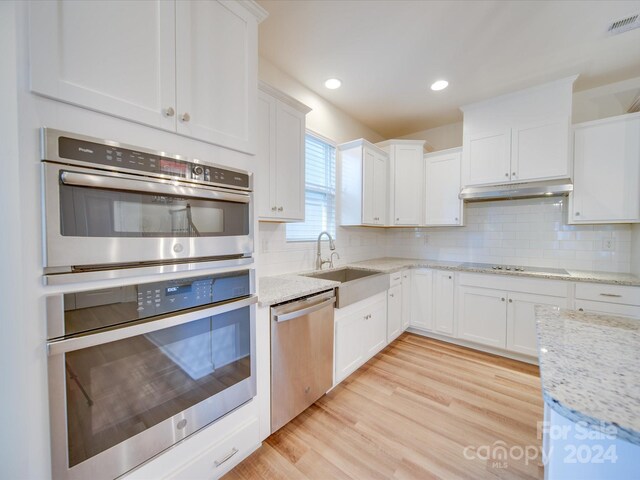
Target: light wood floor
(409, 413)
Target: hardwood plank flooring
(419, 409)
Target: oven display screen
(178, 289)
(173, 168)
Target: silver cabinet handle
(273, 209)
(456, 219)
(502, 299)
(283, 317)
(577, 214)
(610, 295)
(233, 451)
(185, 117)
(510, 301)
(169, 112)
(449, 277)
(398, 219)
(506, 174)
(514, 174)
(391, 295)
(581, 309)
(280, 209)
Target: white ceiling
(388, 52)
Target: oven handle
(148, 186)
(57, 347)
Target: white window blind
(320, 192)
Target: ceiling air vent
(624, 24)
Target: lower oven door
(121, 396)
(97, 218)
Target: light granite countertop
(282, 288)
(589, 368)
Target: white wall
(439, 138)
(324, 118)
(15, 417)
(274, 255)
(519, 232)
(635, 249)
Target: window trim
(334, 144)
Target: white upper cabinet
(217, 62)
(115, 58)
(362, 182)
(405, 181)
(280, 156)
(607, 171)
(519, 137)
(442, 186)
(185, 67)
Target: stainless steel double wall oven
(137, 367)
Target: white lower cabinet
(224, 455)
(361, 332)
(443, 303)
(608, 299)
(422, 299)
(521, 320)
(406, 299)
(501, 319)
(482, 315)
(394, 313)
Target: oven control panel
(70, 147)
(96, 309)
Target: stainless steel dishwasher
(301, 355)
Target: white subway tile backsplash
(527, 232)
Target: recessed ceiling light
(439, 85)
(333, 83)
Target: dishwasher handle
(283, 317)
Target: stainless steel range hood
(551, 188)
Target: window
(320, 192)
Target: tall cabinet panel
(442, 186)
(405, 181)
(106, 56)
(422, 299)
(216, 46)
(607, 171)
(280, 187)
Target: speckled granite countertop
(389, 265)
(589, 368)
(283, 288)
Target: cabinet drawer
(553, 288)
(224, 455)
(598, 292)
(605, 308)
(395, 279)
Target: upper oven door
(94, 217)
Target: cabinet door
(422, 299)
(375, 328)
(349, 340)
(487, 158)
(265, 191)
(290, 162)
(369, 204)
(216, 58)
(406, 299)
(607, 172)
(394, 313)
(408, 185)
(521, 320)
(482, 316)
(442, 180)
(380, 176)
(540, 150)
(443, 303)
(113, 57)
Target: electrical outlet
(607, 243)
